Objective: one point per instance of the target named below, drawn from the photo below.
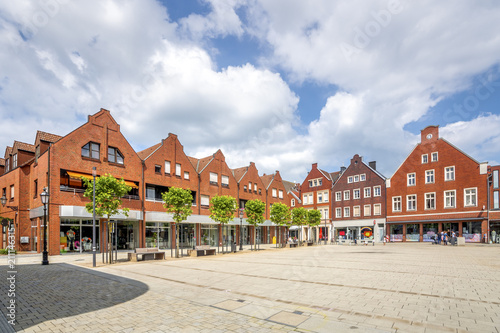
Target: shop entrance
(128, 235)
(495, 232)
(34, 238)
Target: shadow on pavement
(60, 290)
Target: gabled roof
(144, 154)
(267, 180)
(334, 176)
(2, 161)
(325, 174)
(47, 137)
(289, 186)
(8, 151)
(239, 173)
(200, 163)
(23, 146)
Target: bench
(309, 243)
(145, 253)
(201, 250)
(290, 245)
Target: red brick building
(437, 188)
(315, 192)
(358, 202)
(494, 204)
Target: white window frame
(425, 158)
(274, 193)
(224, 180)
(305, 199)
(292, 202)
(178, 169)
(432, 156)
(411, 179)
(427, 198)
(446, 196)
(375, 188)
(350, 179)
(347, 211)
(167, 167)
(362, 177)
(338, 196)
(449, 171)
(326, 196)
(432, 174)
(280, 194)
(347, 195)
(356, 178)
(250, 186)
(367, 192)
(319, 197)
(12, 191)
(466, 196)
(255, 187)
(356, 211)
(14, 161)
(338, 212)
(377, 207)
(396, 204)
(413, 198)
(214, 178)
(186, 175)
(204, 200)
(358, 191)
(367, 210)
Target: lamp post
(241, 229)
(93, 218)
(45, 199)
(325, 235)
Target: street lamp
(45, 199)
(241, 228)
(3, 199)
(93, 218)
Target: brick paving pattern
(392, 288)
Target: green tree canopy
(280, 214)
(108, 194)
(299, 216)
(179, 202)
(222, 208)
(313, 217)
(255, 210)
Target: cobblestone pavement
(332, 288)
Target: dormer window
(114, 155)
(91, 150)
(14, 161)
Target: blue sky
(281, 83)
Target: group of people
(445, 237)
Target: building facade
(437, 188)
(358, 202)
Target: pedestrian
(485, 238)
(445, 238)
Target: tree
(313, 217)
(280, 215)
(178, 202)
(108, 194)
(299, 217)
(222, 208)
(255, 210)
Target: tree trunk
(177, 240)
(110, 243)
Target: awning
(76, 175)
(131, 184)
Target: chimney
(373, 165)
(342, 169)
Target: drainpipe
(142, 240)
(48, 204)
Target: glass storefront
(430, 230)
(158, 235)
(128, 235)
(186, 235)
(209, 234)
(413, 232)
(450, 227)
(228, 234)
(76, 235)
(396, 233)
(471, 231)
